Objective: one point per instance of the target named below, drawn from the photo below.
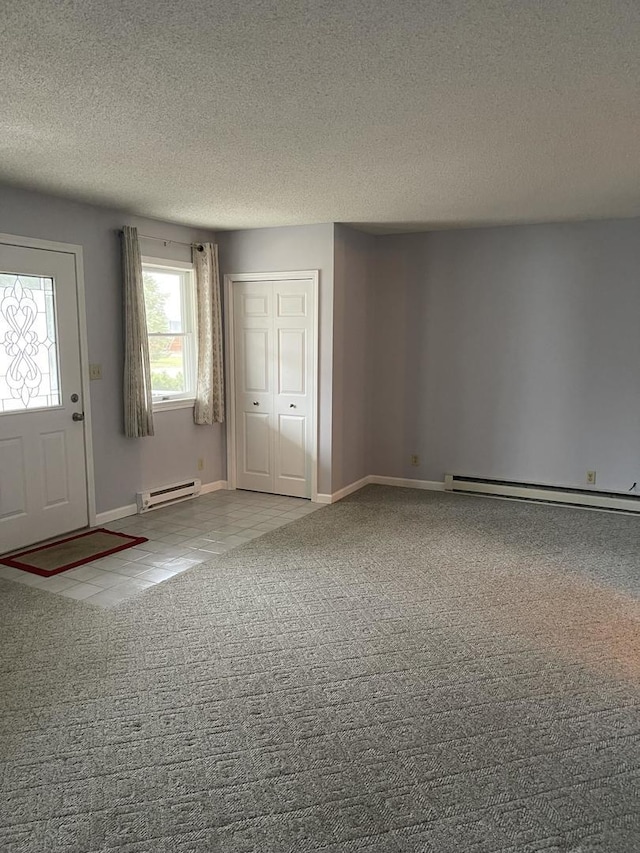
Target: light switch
(95, 371)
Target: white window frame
(176, 400)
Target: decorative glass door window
(29, 369)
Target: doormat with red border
(74, 551)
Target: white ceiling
(389, 114)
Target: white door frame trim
(76, 251)
(291, 275)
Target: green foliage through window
(163, 381)
(170, 322)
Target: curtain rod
(176, 242)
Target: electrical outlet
(415, 460)
(591, 478)
(201, 464)
(95, 371)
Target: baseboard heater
(548, 494)
(165, 495)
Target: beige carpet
(401, 672)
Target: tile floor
(180, 536)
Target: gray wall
(352, 353)
(510, 353)
(122, 466)
(308, 247)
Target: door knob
(292, 405)
(77, 416)
(256, 403)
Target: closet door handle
(256, 403)
(292, 405)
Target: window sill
(168, 405)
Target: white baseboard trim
(407, 483)
(594, 502)
(350, 489)
(115, 514)
(375, 479)
(342, 493)
(206, 488)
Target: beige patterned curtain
(138, 403)
(209, 407)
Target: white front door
(43, 477)
(274, 385)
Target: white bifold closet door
(273, 351)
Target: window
(169, 295)
(28, 343)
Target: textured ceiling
(389, 114)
